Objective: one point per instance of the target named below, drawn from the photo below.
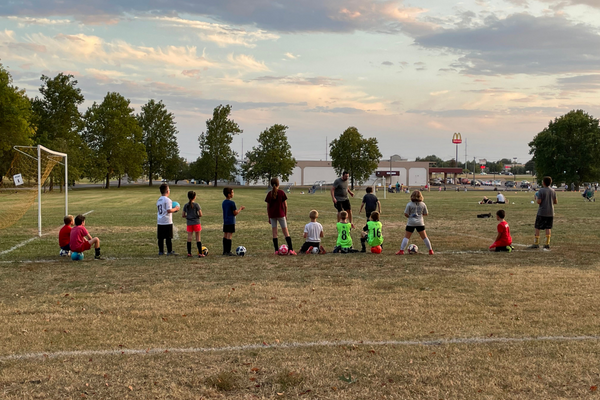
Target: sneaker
(431, 252)
(363, 250)
(292, 253)
(200, 255)
(229, 254)
(276, 252)
(546, 247)
(98, 257)
(160, 253)
(400, 253)
(509, 249)
(309, 251)
(172, 253)
(189, 255)
(534, 246)
(322, 250)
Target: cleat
(98, 257)
(431, 252)
(276, 252)
(172, 253)
(546, 247)
(292, 253)
(229, 254)
(309, 251)
(200, 255)
(509, 249)
(160, 253)
(189, 255)
(363, 250)
(400, 253)
(322, 250)
(534, 246)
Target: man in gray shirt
(546, 198)
(339, 194)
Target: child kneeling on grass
(344, 240)
(503, 241)
(372, 234)
(313, 232)
(81, 240)
(64, 236)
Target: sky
(409, 73)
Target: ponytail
(191, 197)
(275, 186)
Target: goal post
(46, 160)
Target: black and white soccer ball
(240, 251)
(413, 249)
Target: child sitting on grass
(503, 241)
(313, 232)
(81, 240)
(372, 234)
(344, 240)
(64, 236)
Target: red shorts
(86, 246)
(194, 228)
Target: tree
(355, 154)
(272, 157)
(115, 139)
(159, 137)
(201, 170)
(59, 122)
(15, 119)
(215, 144)
(568, 149)
(178, 170)
(438, 162)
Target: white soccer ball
(315, 250)
(240, 251)
(283, 250)
(413, 249)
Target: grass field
(461, 324)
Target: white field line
(292, 345)
(31, 240)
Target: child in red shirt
(64, 236)
(503, 241)
(81, 240)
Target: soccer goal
(31, 172)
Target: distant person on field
(415, 211)
(229, 213)
(546, 198)
(164, 221)
(372, 233)
(81, 240)
(64, 236)
(344, 240)
(277, 213)
(370, 203)
(339, 194)
(313, 232)
(500, 199)
(486, 200)
(503, 240)
(192, 212)
(397, 187)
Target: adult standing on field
(546, 198)
(339, 194)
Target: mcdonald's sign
(456, 138)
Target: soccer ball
(64, 253)
(76, 256)
(204, 250)
(316, 250)
(240, 251)
(175, 204)
(283, 250)
(376, 249)
(413, 249)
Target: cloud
(247, 62)
(520, 44)
(272, 15)
(291, 56)
(191, 73)
(580, 83)
(24, 21)
(439, 93)
(337, 110)
(387, 63)
(299, 80)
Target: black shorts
(369, 213)
(164, 231)
(306, 246)
(543, 222)
(411, 229)
(343, 205)
(229, 228)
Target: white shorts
(282, 222)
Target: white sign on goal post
(18, 179)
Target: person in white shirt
(313, 232)
(500, 199)
(164, 220)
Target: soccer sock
(363, 241)
(224, 245)
(169, 245)
(547, 240)
(189, 247)
(98, 250)
(276, 244)
(288, 239)
(228, 245)
(427, 243)
(537, 240)
(404, 244)
(199, 245)
(161, 245)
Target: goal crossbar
(41, 148)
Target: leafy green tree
(530, 166)
(178, 170)
(437, 162)
(355, 154)
(568, 149)
(215, 143)
(15, 119)
(114, 137)
(272, 157)
(201, 169)
(159, 137)
(59, 122)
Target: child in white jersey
(164, 221)
(313, 232)
(415, 211)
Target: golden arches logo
(456, 138)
